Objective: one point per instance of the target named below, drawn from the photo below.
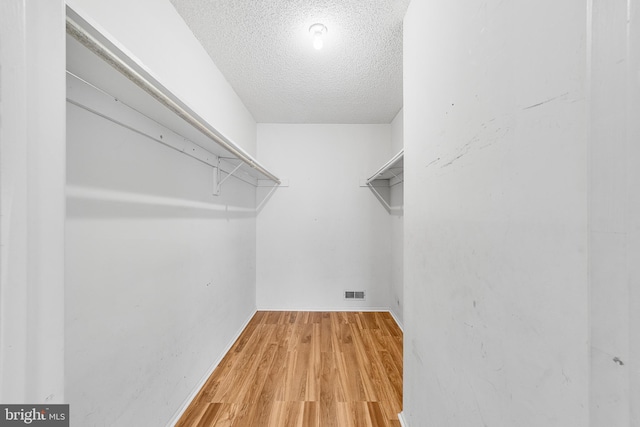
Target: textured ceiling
(264, 49)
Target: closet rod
(79, 33)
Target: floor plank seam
(306, 369)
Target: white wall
(160, 273)
(496, 295)
(397, 132)
(397, 227)
(323, 234)
(155, 34)
(614, 212)
(32, 201)
(632, 196)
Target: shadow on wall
(98, 203)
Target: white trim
(403, 422)
(398, 322)
(269, 183)
(341, 309)
(198, 387)
(32, 203)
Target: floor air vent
(354, 295)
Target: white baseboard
(398, 322)
(206, 376)
(325, 309)
(403, 422)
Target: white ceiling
(264, 49)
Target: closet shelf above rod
(100, 45)
(389, 175)
(393, 171)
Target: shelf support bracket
(218, 180)
(379, 196)
(267, 197)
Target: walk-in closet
(320, 213)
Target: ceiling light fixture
(317, 30)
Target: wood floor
(306, 369)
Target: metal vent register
(354, 295)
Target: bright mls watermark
(34, 415)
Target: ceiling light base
(318, 30)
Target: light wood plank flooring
(306, 369)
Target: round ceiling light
(317, 30)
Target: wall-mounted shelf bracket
(380, 197)
(392, 171)
(155, 101)
(217, 177)
(389, 175)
